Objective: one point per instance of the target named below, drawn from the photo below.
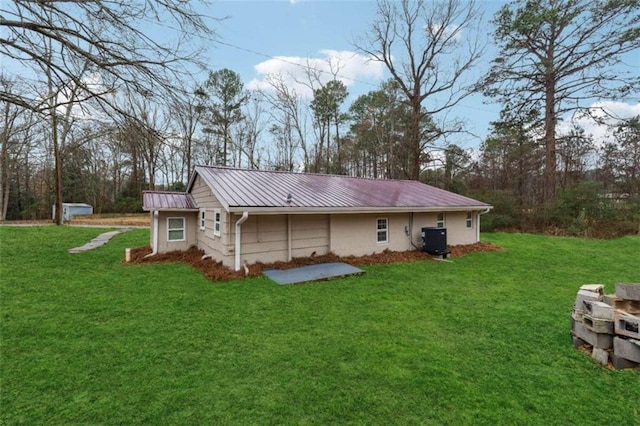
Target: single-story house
(69, 210)
(239, 215)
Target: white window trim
(217, 224)
(183, 228)
(441, 223)
(202, 219)
(386, 221)
(469, 220)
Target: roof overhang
(168, 210)
(353, 210)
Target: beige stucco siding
(309, 235)
(164, 245)
(455, 222)
(356, 234)
(263, 238)
(457, 231)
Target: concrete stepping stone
(98, 241)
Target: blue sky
(318, 30)
(261, 37)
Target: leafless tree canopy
(120, 42)
(428, 47)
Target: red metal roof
(166, 200)
(267, 189)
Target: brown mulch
(216, 271)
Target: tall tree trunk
(549, 190)
(57, 168)
(414, 139)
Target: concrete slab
(596, 288)
(620, 363)
(601, 341)
(305, 274)
(627, 325)
(586, 296)
(627, 348)
(600, 356)
(599, 310)
(598, 325)
(628, 291)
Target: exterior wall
(190, 231)
(356, 234)
(455, 222)
(309, 234)
(216, 246)
(265, 238)
(457, 231)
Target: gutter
(154, 245)
(352, 210)
(245, 216)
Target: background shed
(69, 210)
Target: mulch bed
(216, 271)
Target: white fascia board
(353, 210)
(169, 210)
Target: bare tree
(16, 127)
(428, 47)
(111, 37)
(187, 115)
(288, 111)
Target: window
(469, 220)
(440, 221)
(202, 219)
(383, 230)
(175, 229)
(216, 222)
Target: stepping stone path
(98, 241)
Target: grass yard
(482, 340)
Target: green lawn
(482, 340)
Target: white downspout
(288, 238)
(478, 224)
(245, 216)
(154, 245)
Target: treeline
(111, 114)
(109, 164)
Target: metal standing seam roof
(167, 200)
(268, 189)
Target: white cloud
(348, 67)
(609, 112)
(453, 31)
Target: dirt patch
(216, 271)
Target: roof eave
(165, 209)
(354, 210)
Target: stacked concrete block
(609, 325)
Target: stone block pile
(608, 325)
